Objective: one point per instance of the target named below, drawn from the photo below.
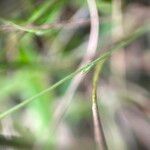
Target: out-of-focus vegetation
(42, 42)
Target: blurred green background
(34, 60)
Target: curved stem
(124, 42)
(98, 129)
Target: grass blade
(124, 42)
(98, 129)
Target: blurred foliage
(32, 60)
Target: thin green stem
(39, 30)
(19, 27)
(25, 102)
(84, 69)
(98, 129)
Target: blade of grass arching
(48, 5)
(88, 56)
(16, 27)
(124, 42)
(39, 30)
(98, 129)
